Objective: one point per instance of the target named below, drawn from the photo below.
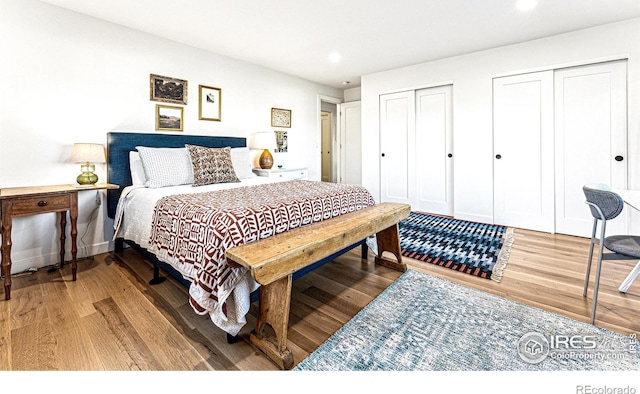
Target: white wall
(352, 94)
(71, 78)
(471, 76)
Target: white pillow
(241, 159)
(166, 166)
(137, 170)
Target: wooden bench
(272, 262)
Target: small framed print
(282, 144)
(168, 90)
(210, 103)
(280, 117)
(168, 117)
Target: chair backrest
(610, 203)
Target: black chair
(606, 205)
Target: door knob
(383, 155)
(619, 158)
(498, 157)
(449, 155)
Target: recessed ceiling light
(526, 5)
(334, 57)
(345, 82)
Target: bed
(184, 226)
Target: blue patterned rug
(474, 248)
(424, 323)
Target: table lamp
(265, 140)
(87, 154)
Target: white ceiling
(297, 36)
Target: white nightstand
(285, 173)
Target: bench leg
(389, 241)
(275, 301)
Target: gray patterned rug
(424, 323)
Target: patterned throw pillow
(211, 165)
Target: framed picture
(282, 144)
(210, 103)
(168, 90)
(168, 117)
(280, 117)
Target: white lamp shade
(91, 153)
(263, 140)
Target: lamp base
(266, 160)
(87, 178)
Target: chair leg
(586, 279)
(630, 278)
(597, 281)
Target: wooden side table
(26, 201)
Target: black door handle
(383, 155)
(449, 155)
(619, 158)
(498, 157)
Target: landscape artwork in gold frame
(169, 118)
(168, 90)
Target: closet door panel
(590, 131)
(523, 151)
(397, 135)
(433, 147)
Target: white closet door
(397, 135)
(434, 151)
(350, 143)
(591, 141)
(523, 151)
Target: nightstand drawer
(292, 174)
(43, 204)
(283, 173)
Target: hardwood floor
(111, 319)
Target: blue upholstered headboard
(120, 144)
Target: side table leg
(6, 247)
(73, 215)
(63, 238)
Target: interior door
(523, 151)
(590, 141)
(434, 151)
(327, 163)
(397, 135)
(350, 143)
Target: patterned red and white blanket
(193, 231)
